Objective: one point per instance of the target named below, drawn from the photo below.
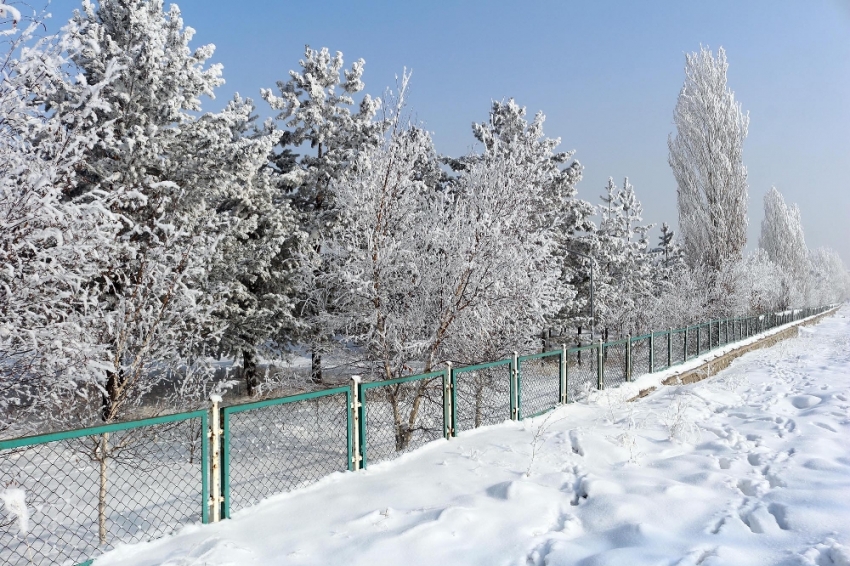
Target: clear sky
(606, 75)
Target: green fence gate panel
(659, 347)
(582, 371)
(539, 383)
(614, 363)
(482, 394)
(400, 415)
(640, 355)
(152, 482)
(278, 445)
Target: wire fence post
(357, 436)
(214, 434)
(515, 387)
(448, 405)
(685, 349)
(600, 371)
(563, 392)
(628, 357)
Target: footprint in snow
(697, 557)
(826, 426)
(575, 441)
(763, 520)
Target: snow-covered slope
(749, 467)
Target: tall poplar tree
(706, 156)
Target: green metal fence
(539, 381)
(641, 352)
(400, 415)
(88, 489)
(614, 362)
(274, 446)
(582, 371)
(482, 394)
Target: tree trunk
(101, 495)
(316, 366)
(114, 383)
(249, 371)
(404, 430)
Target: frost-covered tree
(621, 249)
(256, 262)
(51, 244)
(162, 170)
(317, 108)
(831, 279)
(669, 253)
(783, 241)
(425, 274)
(562, 216)
(761, 284)
(706, 156)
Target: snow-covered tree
(316, 107)
(256, 263)
(761, 285)
(621, 249)
(51, 244)
(706, 156)
(424, 274)
(783, 241)
(563, 217)
(831, 279)
(163, 171)
(669, 253)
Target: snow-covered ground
(751, 466)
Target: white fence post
(515, 388)
(215, 455)
(563, 374)
(356, 454)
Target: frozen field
(751, 466)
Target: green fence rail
(87, 490)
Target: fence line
(88, 489)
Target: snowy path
(749, 467)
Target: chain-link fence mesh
(85, 495)
(678, 346)
(582, 372)
(539, 383)
(704, 335)
(401, 417)
(659, 347)
(640, 357)
(692, 342)
(614, 364)
(276, 447)
(482, 395)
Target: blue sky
(606, 75)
